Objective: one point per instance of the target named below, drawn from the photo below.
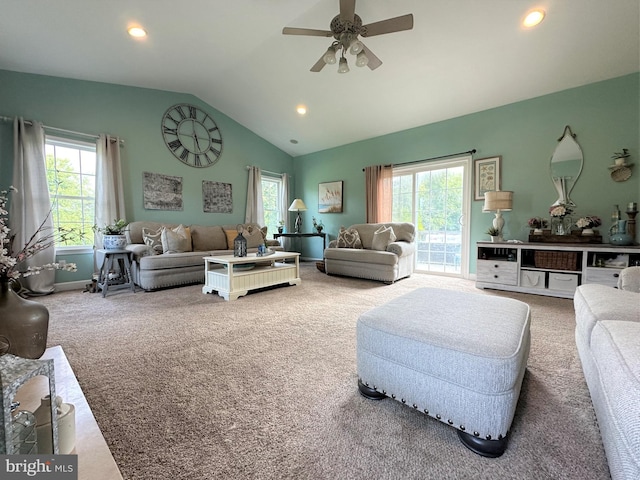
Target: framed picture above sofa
(330, 197)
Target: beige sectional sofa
(362, 251)
(152, 270)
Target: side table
(120, 258)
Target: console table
(301, 235)
(552, 269)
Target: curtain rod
(56, 129)
(267, 172)
(432, 158)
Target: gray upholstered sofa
(371, 258)
(608, 342)
(153, 270)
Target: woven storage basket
(556, 260)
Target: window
(271, 189)
(434, 197)
(71, 175)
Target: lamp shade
(297, 206)
(498, 201)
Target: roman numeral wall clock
(191, 135)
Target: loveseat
(608, 342)
(160, 261)
(374, 251)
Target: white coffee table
(233, 277)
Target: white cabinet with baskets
(550, 269)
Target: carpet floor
(188, 386)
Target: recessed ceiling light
(301, 109)
(137, 32)
(533, 18)
(294, 141)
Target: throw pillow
(349, 238)
(254, 237)
(382, 237)
(153, 239)
(177, 240)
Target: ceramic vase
(24, 324)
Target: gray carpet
(188, 386)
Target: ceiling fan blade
(318, 65)
(374, 62)
(396, 24)
(347, 9)
(306, 31)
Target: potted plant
(619, 158)
(280, 226)
(113, 236)
(494, 233)
(317, 225)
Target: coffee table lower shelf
(231, 283)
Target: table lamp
(298, 206)
(498, 201)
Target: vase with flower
(538, 224)
(24, 323)
(560, 219)
(588, 223)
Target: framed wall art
(161, 192)
(217, 197)
(330, 197)
(487, 176)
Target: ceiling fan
(345, 28)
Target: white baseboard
(66, 286)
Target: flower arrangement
(41, 240)
(538, 222)
(559, 211)
(590, 221)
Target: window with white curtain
(271, 189)
(71, 175)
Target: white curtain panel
(30, 206)
(109, 191)
(255, 207)
(284, 205)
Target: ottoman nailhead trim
(384, 392)
(500, 437)
(393, 396)
(403, 400)
(476, 434)
(462, 427)
(375, 388)
(438, 416)
(415, 406)
(450, 422)
(367, 384)
(426, 411)
(488, 437)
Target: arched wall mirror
(565, 167)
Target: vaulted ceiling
(462, 56)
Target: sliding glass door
(434, 196)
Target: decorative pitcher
(618, 234)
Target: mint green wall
(604, 115)
(135, 114)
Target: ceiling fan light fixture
(362, 60)
(343, 66)
(330, 56)
(356, 47)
